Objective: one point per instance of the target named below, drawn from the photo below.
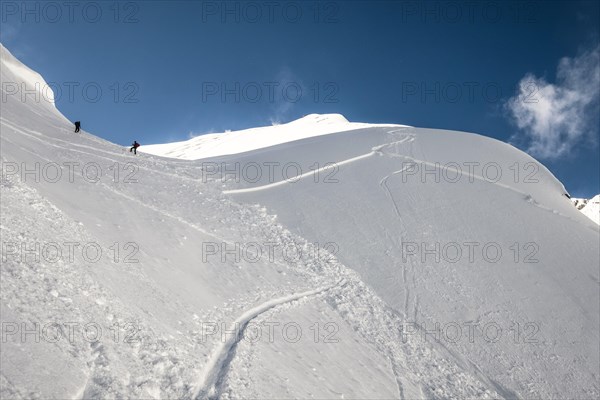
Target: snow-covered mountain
(589, 207)
(379, 262)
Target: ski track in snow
(214, 372)
(312, 172)
(378, 150)
(526, 196)
(297, 178)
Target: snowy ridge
(234, 142)
(351, 277)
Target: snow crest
(235, 142)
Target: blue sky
(159, 71)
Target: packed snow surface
(379, 262)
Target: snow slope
(590, 208)
(234, 142)
(322, 256)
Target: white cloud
(555, 117)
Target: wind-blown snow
(234, 142)
(349, 279)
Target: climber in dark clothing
(77, 126)
(134, 147)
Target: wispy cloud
(9, 31)
(289, 91)
(553, 118)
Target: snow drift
(414, 263)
